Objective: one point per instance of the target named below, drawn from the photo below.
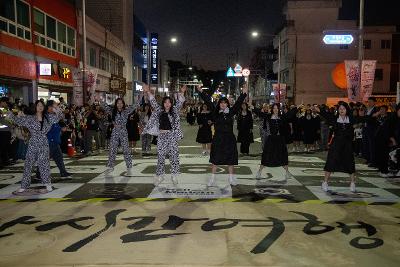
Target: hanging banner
(90, 81)
(353, 77)
(154, 58)
(367, 78)
(279, 92)
(77, 92)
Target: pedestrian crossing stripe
(182, 200)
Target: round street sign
(246, 72)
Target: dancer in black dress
(223, 147)
(275, 152)
(204, 134)
(340, 154)
(245, 129)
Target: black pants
(244, 147)
(5, 138)
(382, 156)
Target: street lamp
(255, 34)
(190, 68)
(174, 40)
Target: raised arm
(107, 108)
(206, 99)
(180, 98)
(152, 99)
(330, 118)
(20, 120)
(57, 116)
(240, 100)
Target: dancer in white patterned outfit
(165, 122)
(38, 146)
(119, 114)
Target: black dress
(133, 127)
(275, 152)
(340, 154)
(310, 130)
(204, 134)
(223, 146)
(245, 128)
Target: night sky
(209, 30)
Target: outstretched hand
(146, 89)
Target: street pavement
(92, 219)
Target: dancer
(204, 134)
(245, 129)
(275, 153)
(119, 135)
(340, 154)
(165, 122)
(223, 147)
(133, 129)
(145, 115)
(38, 125)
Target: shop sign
(45, 69)
(64, 72)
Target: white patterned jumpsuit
(119, 135)
(38, 145)
(167, 142)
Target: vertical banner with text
(77, 96)
(367, 78)
(353, 78)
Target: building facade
(306, 62)
(38, 49)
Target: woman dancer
(340, 154)
(275, 152)
(119, 115)
(38, 125)
(133, 129)
(245, 129)
(165, 122)
(223, 147)
(145, 115)
(204, 134)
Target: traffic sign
(246, 72)
(334, 39)
(238, 68)
(230, 72)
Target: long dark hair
(164, 100)
(279, 109)
(222, 99)
(144, 109)
(44, 114)
(115, 109)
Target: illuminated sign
(45, 69)
(230, 72)
(246, 72)
(238, 71)
(154, 58)
(338, 39)
(64, 72)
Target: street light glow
(174, 40)
(255, 34)
(190, 68)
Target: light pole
(360, 44)
(256, 34)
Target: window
(385, 44)
(38, 21)
(367, 44)
(51, 28)
(104, 63)
(61, 32)
(92, 57)
(23, 14)
(71, 36)
(344, 47)
(378, 74)
(15, 18)
(7, 9)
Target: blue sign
(230, 72)
(154, 58)
(338, 39)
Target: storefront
(55, 81)
(15, 89)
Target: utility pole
(279, 68)
(84, 51)
(360, 45)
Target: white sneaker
(258, 175)
(232, 180)
(204, 153)
(158, 180)
(174, 179)
(108, 171)
(211, 181)
(325, 186)
(352, 187)
(129, 172)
